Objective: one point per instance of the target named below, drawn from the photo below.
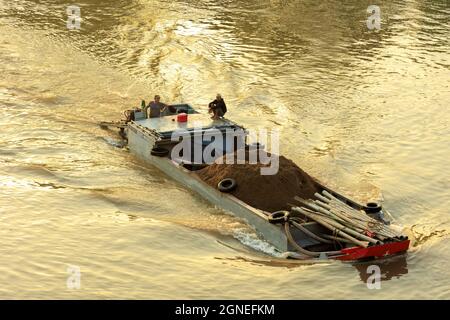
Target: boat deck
(169, 123)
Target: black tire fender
(159, 152)
(227, 185)
(372, 207)
(279, 217)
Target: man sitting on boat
(157, 107)
(217, 107)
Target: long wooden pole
(329, 226)
(335, 202)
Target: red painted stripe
(387, 249)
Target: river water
(365, 111)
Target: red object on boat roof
(182, 117)
(379, 251)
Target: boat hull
(140, 143)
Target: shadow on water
(394, 267)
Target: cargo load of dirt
(266, 192)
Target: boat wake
(114, 142)
(422, 234)
(251, 240)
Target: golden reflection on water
(355, 109)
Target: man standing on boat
(217, 107)
(156, 107)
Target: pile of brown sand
(269, 193)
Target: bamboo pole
(322, 204)
(351, 231)
(318, 209)
(335, 202)
(331, 227)
(343, 217)
(347, 229)
(322, 198)
(340, 216)
(327, 236)
(377, 227)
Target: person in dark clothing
(217, 107)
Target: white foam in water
(114, 142)
(251, 240)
